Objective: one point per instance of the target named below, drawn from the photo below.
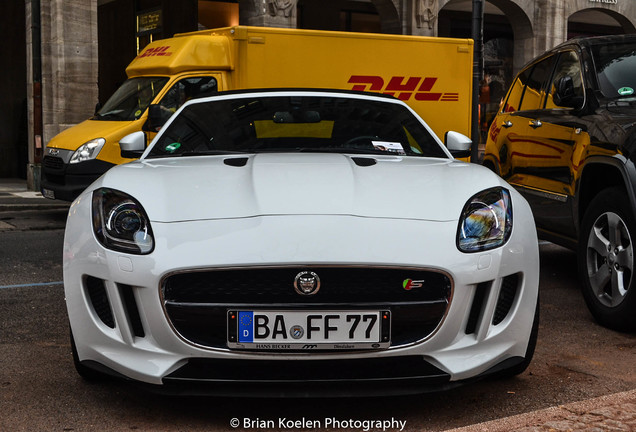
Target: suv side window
(535, 89)
(567, 66)
(516, 91)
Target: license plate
(308, 330)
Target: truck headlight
(120, 222)
(88, 150)
(486, 221)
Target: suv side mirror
(157, 117)
(133, 145)
(564, 94)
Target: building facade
(73, 54)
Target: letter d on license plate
(291, 330)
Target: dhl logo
(403, 87)
(494, 131)
(156, 52)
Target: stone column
(69, 69)
(550, 24)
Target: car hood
(221, 187)
(72, 138)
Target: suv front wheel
(606, 260)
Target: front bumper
(141, 344)
(64, 181)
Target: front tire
(606, 260)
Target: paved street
(582, 376)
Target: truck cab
(165, 75)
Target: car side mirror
(157, 117)
(133, 146)
(458, 144)
(564, 93)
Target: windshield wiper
(108, 116)
(621, 102)
(347, 150)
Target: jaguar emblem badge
(307, 283)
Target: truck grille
(196, 303)
(52, 162)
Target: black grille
(481, 293)
(52, 162)
(99, 299)
(306, 378)
(275, 285)
(132, 311)
(197, 303)
(236, 370)
(506, 298)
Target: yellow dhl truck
(433, 75)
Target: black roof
(597, 40)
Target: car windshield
(131, 99)
(615, 64)
(295, 123)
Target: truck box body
(433, 75)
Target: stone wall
(69, 68)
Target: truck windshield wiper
(109, 116)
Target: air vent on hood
(236, 162)
(363, 161)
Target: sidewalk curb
(35, 206)
(610, 412)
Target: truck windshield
(615, 64)
(131, 99)
(296, 123)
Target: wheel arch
(599, 173)
(490, 163)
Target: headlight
(486, 221)
(120, 222)
(88, 150)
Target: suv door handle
(535, 124)
(507, 124)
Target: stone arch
(519, 18)
(522, 29)
(390, 20)
(623, 22)
(248, 11)
(387, 11)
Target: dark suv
(565, 137)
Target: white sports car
(300, 243)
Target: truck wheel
(606, 260)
